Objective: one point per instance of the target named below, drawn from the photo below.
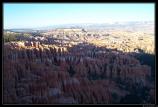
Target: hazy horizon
(23, 15)
(78, 25)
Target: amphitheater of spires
(61, 69)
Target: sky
(32, 15)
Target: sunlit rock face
(123, 40)
(41, 73)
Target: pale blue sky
(30, 15)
